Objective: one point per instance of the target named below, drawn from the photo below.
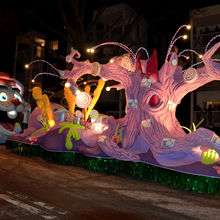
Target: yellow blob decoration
(43, 103)
(96, 96)
(209, 157)
(70, 98)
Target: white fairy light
(77, 92)
(67, 84)
(26, 66)
(108, 88)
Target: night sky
(17, 17)
(163, 17)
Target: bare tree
(80, 25)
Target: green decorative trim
(183, 181)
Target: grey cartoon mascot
(12, 105)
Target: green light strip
(168, 177)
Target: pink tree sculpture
(150, 121)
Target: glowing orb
(83, 100)
(94, 114)
(67, 84)
(51, 123)
(209, 157)
(188, 26)
(190, 75)
(108, 89)
(26, 66)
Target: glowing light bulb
(185, 37)
(85, 83)
(92, 50)
(200, 56)
(67, 84)
(88, 50)
(32, 80)
(187, 57)
(51, 123)
(92, 120)
(26, 66)
(108, 88)
(188, 26)
(111, 61)
(77, 92)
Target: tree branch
(46, 25)
(206, 74)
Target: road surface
(32, 188)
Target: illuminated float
(150, 132)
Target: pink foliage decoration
(146, 125)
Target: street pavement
(32, 188)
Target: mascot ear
(19, 86)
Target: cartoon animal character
(11, 103)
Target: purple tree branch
(195, 78)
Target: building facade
(205, 101)
(119, 23)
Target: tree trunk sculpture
(153, 126)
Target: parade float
(149, 141)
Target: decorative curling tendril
(117, 44)
(206, 48)
(74, 53)
(188, 50)
(45, 73)
(174, 40)
(44, 61)
(142, 48)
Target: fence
(211, 118)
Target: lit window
(40, 41)
(39, 51)
(40, 44)
(54, 45)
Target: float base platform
(172, 178)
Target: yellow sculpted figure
(43, 103)
(70, 99)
